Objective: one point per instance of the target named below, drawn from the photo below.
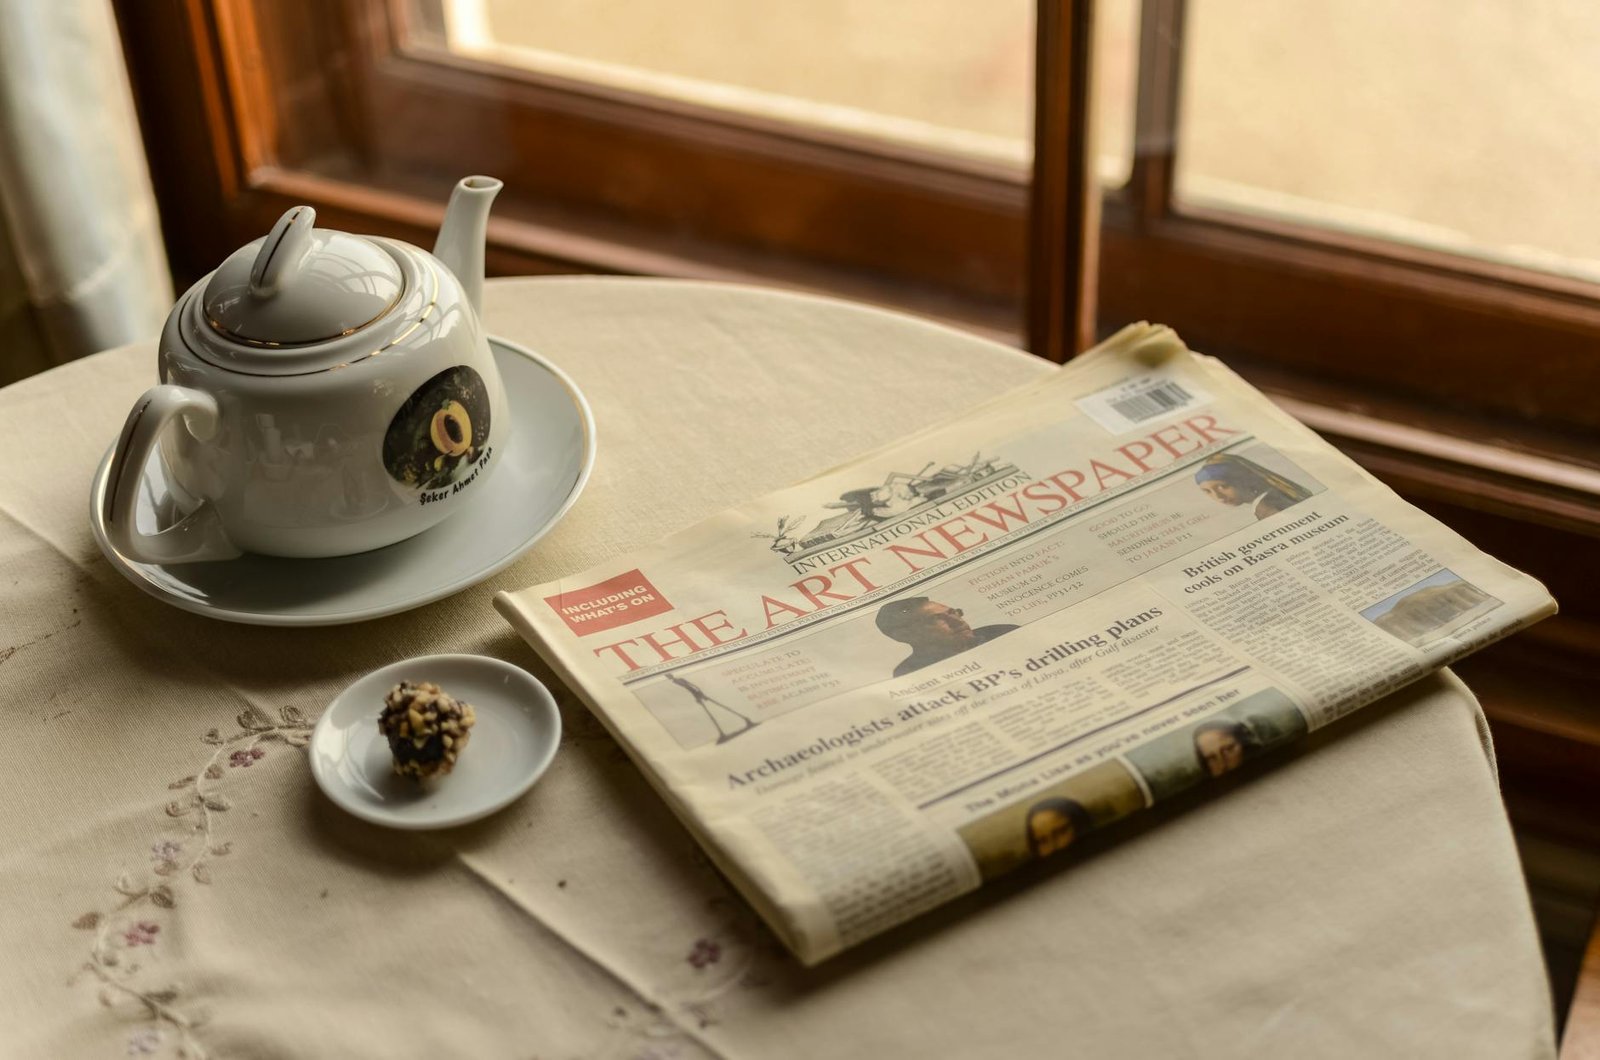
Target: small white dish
(545, 467)
(511, 745)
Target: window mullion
(1155, 135)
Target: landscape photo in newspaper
(871, 692)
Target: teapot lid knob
(286, 248)
(301, 285)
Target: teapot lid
(301, 285)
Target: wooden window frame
(1420, 326)
(1461, 381)
(768, 202)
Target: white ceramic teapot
(336, 394)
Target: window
(1347, 192)
(934, 74)
(370, 109)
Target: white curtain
(81, 262)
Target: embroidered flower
(245, 758)
(166, 850)
(144, 1042)
(705, 953)
(141, 934)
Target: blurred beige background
(1467, 125)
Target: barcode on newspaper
(1135, 402)
(1152, 403)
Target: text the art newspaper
(871, 692)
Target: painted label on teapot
(437, 438)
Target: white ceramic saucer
(512, 742)
(546, 465)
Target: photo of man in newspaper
(1234, 481)
(1052, 819)
(1219, 744)
(1431, 609)
(933, 630)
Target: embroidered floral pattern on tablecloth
(245, 758)
(704, 953)
(730, 951)
(133, 926)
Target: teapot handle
(198, 535)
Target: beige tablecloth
(1360, 899)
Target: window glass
(941, 74)
(1469, 127)
(936, 73)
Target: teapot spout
(462, 236)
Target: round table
(1361, 897)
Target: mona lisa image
(1054, 824)
(1218, 744)
(1050, 821)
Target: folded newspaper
(871, 692)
